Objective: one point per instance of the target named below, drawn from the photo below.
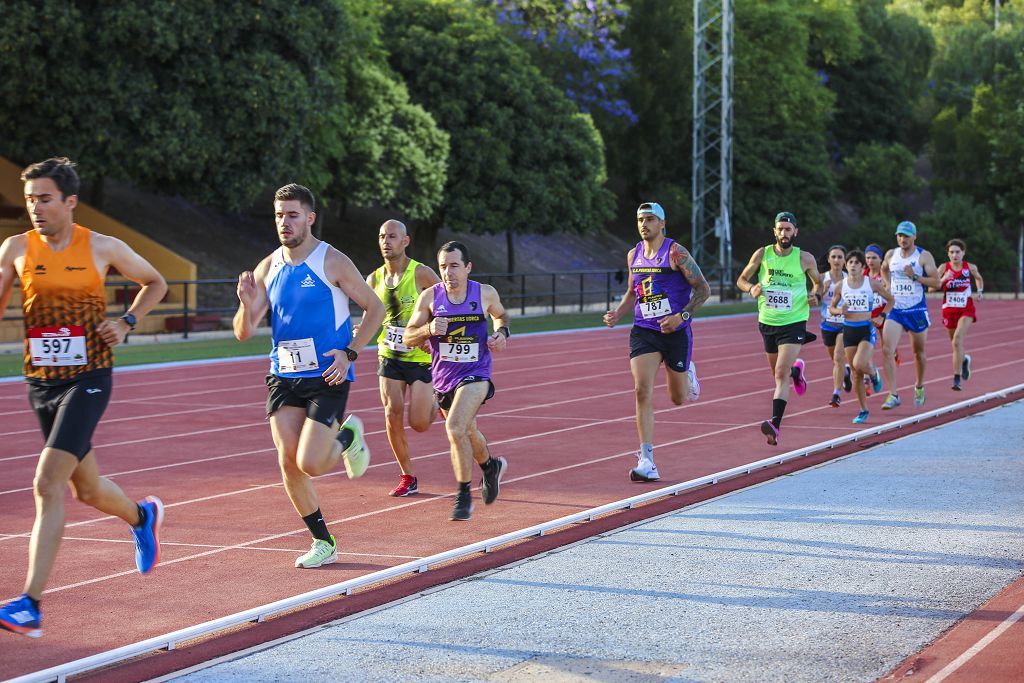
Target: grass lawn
(137, 354)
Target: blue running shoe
(876, 382)
(861, 418)
(21, 617)
(147, 535)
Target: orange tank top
(64, 302)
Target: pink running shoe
(799, 377)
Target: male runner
(665, 289)
(307, 284)
(68, 358)
(783, 306)
(398, 284)
(453, 316)
(908, 269)
(958, 311)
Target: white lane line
(164, 544)
(969, 654)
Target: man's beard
(784, 243)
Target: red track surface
(563, 416)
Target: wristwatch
(351, 355)
(130, 319)
(685, 315)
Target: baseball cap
(785, 217)
(651, 207)
(906, 228)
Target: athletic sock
(956, 379)
(486, 464)
(317, 526)
(345, 438)
(464, 487)
(647, 451)
(142, 516)
(778, 408)
(35, 603)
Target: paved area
(832, 574)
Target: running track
(563, 416)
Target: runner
(665, 289)
(958, 313)
(853, 298)
(783, 306)
(873, 256)
(452, 315)
(908, 269)
(832, 324)
(306, 284)
(62, 267)
(398, 283)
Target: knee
(48, 487)
(643, 392)
(394, 413)
(85, 494)
(420, 424)
(781, 374)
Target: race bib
(957, 299)
(857, 303)
(459, 352)
(904, 288)
(877, 302)
(654, 306)
(780, 300)
(394, 338)
(63, 345)
(837, 319)
(297, 355)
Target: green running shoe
(918, 396)
(892, 401)
(357, 455)
(320, 553)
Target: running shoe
(892, 401)
(861, 418)
(147, 534)
(463, 508)
(770, 431)
(965, 369)
(407, 486)
(320, 553)
(799, 376)
(876, 382)
(357, 455)
(19, 616)
(834, 401)
(691, 373)
(645, 470)
(956, 384)
(847, 379)
(918, 396)
(494, 470)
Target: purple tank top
(660, 291)
(462, 352)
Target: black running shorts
(323, 402)
(675, 347)
(775, 336)
(68, 413)
(404, 371)
(445, 400)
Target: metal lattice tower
(711, 217)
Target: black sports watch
(685, 315)
(351, 355)
(130, 319)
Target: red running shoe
(407, 485)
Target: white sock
(647, 451)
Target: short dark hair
(858, 256)
(452, 246)
(836, 246)
(298, 192)
(59, 169)
(956, 242)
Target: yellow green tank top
(399, 303)
(783, 299)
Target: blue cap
(652, 208)
(906, 228)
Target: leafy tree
(878, 173)
(523, 158)
(212, 101)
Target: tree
(877, 174)
(523, 158)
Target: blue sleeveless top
(308, 316)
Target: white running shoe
(691, 373)
(645, 470)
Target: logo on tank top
(308, 281)
(40, 269)
(441, 309)
(73, 268)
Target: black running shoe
(848, 380)
(834, 401)
(463, 509)
(494, 470)
(956, 384)
(965, 368)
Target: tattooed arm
(684, 263)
